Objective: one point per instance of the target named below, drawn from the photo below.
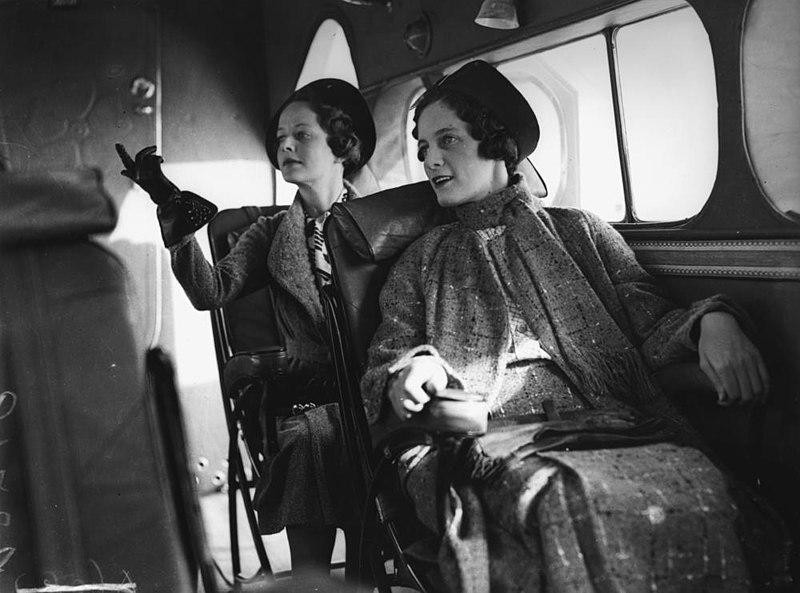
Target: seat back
(248, 323)
(86, 496)
(364, 238)
(245, 325)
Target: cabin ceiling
(379, 51)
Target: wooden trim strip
(764, 259)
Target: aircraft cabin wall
(185, 76)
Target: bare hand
(731, 361)
(410, 389)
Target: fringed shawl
(602, 318)
(555, 298)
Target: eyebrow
(298, 125)
(441, 131)
(444, 129)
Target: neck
(318, 196)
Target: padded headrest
(381, 226)
(53, 205)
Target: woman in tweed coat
(546, 313)
(322, 133)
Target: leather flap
(381, 226)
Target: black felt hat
(337, 93)
(482, 82)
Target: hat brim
(337, 93)
(484, 84)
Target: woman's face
(452, 163)
(303, 152)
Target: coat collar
(488, 212)
(289, 262)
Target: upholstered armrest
(381, 226)
(679, 379)
(53, 205)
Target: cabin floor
(214, 506)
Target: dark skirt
(308, 482)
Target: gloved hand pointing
(180, 213)
(146, 172)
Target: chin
(450, 197)
(445, 197)
(289, 176)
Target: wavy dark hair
(495, 141)
(338, 125)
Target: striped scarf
(318, 251)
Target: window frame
(607, 26)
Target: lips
(440, 180)
(289, 162)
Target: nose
(433, 158)
(286, 144)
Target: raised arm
(211, 286)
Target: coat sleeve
(402, 333)
(663, 331)
(210, 286)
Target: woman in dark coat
(545, 313)
(323, 133)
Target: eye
(280, 138)
(302, 135)
(447, 140)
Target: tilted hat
(482, 82)
(337, 93)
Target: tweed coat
(443, 298)
(273, 250)
(307, 482)
(512, 526)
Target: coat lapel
(289, 263)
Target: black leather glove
(180, 213)
(146, 172)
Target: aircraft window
(771, 75)
(667, 104)
(668, 98)
(328, 56)
(416, 171)
(570, 92)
